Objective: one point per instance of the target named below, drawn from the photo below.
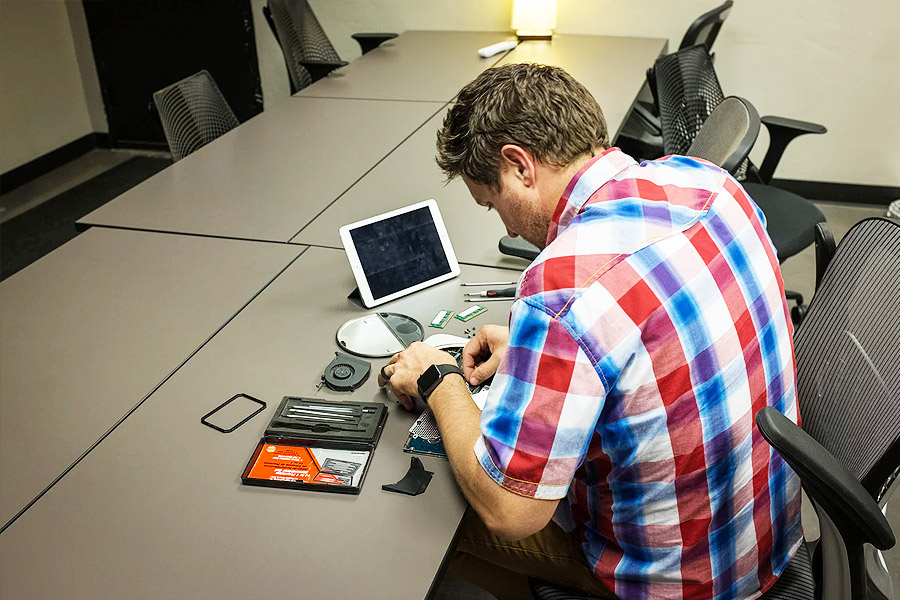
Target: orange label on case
(286, 463)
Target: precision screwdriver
(504, 293)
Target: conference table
(268, 178)
(473, 231)
(416, 66)
(224, 274)
(158, 509)
(91, 329)
(271, 178)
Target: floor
(81, 169)
(798, 272)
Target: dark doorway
(141, 46)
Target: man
(641, 343)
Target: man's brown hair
(537, 107)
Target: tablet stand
(356, 298)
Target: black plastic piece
(781, 132)
(370, 41)
(414, 482)
(405, 328)
(518, 247)
(795, 296)
(827, 482)
(261, 408)
(321, 68)
(346, 373)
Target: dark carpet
(29, 236)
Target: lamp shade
(534, 18)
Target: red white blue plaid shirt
(643, 340)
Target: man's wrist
(433, 376)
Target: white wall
(42, 100)
(84, 54)
(830, 61)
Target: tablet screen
(399, 252)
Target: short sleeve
(542, 408)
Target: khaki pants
(502, 567)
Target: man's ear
(520, 162)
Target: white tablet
(399, 252)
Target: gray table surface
(90, 329)
(417, 65)
(267, 178)
(158, 510)
(408, 175)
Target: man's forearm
(503, 512)
(458, 419)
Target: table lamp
(534, 19)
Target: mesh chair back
(706, 28)
(688, 91)
(301, 38)
(848, 372)
(728, 134)
(193, 113)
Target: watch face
(428, 380)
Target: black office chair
(705, 28)
(687, 91)
(641, 136)
(308, 53)
(847, 453)
(848, 384)
(193, 113)
(725, 139)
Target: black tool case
(318, 445)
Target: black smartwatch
(432, 377)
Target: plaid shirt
(643, 340)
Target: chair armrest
(826, 481)
(518, 247)
(781, 132)
(825, 248)
(321, 68)
(370, 41)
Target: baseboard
(57, 158)
(142, 145)
(840, 192)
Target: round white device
(379, 334)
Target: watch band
(432, 377)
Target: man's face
(517, 206)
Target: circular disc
(379, 334)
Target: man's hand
(483, 353)
(404, 368)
